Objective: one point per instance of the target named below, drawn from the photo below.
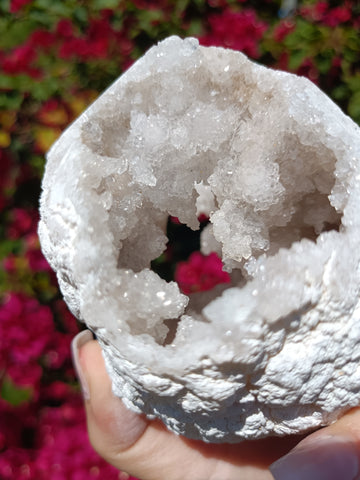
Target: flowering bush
(56, 56)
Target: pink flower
(237, 30)
(320, 12)
(16, 5)
(63, 448)
(9, 264)
(308, 69)
(65, 28)
(337, 15)
(68, 321)
(175, 220)
(203, 218)
(200, 273)
(94, 44)
(20, 60)
(41, 39)
(26, 375)
(26, 328)
(58, 350)
(37, 262)
(315, 12)
(151, 4)
(283, 29)
(57, 390)
(17, 463)
(5, 177)
(22, 222)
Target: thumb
(332, 453)
(112, 427)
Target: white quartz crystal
(276, 165)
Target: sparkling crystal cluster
(275, 165)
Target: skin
(147, 450)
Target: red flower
(23, 222)
(57, 390)
(283, 29)
(151, 4)
(63, 448)
(332, 17)
(237, 30)
(67, 319)
(41, 39)
(5, 178)
(337, 15)
(283, 61)
(37, 262)
(20, 60)
(16, 463)
(54, 113)
(315, 12)
(200, 273)
(16, 5)
(308, 69)
(64, 28)
(26, 328)
(94, 44)
(58, 350)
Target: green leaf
(324, 61)
(101, 4)
(45, 89)
(354, 107)
(38, 164)
(81, 15)
(195, 29)
(354, 83)
(14, 32)
(8, 247)
(13, 394)
(60, 9)
(10, 100)
(340, 92)
(4, 6)
(296, 59)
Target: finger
(102, 399)
(332, 453)
(149, 451)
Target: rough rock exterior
(276, 165)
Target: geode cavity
(275, 164)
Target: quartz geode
(275, 164)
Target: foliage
(56, 56)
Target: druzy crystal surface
(275, 165)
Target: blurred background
(56, 57)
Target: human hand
(147, 450)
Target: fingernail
(77, 342)
(327, 458)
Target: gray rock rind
(276, 353)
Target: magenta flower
(200, 273)
(283, 29)
(63, 448)
(26, 328)
(22, 222)
(16, 5)
(237, 30)
(16, 463)
(337, 16)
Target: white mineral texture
(276, 165)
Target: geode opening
(275, 165)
